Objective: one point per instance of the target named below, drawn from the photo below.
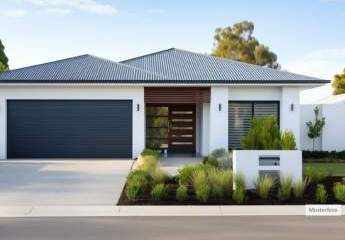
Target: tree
(315, 128)
(339, 83)
(3, 58)
(238, 43)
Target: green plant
(159, 192)
(321, 194)
(264, 134)
(201, 186)
(315, 128)
(339, 191)
(300, 187)
(239, 195)
(239, 181)
(264, 185)
(285, 189)
(150, 152)
(185, 174)
(159, 175)
(182, 193)
(288, 141)
(211, 161)
(149, 163)
(138, 182)
(314, 174)
(220, 182)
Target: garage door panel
(69, 128)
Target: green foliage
(150, 152)
(264, 185)
(314, 174)
(239, 180)
(288, 141)
(315, 128)
(221, 182)
(339, 83)
(182, 193)
(149, 163)
(239, 195)
(324, 155)
(138, 182)
(3, 58)
(201, 186)
(159, 192)
(321, 194)
(339, 192)
(300, 187)
(185, 174)
(238, 43)
(264, 134)
(219, 158)
(285, 189)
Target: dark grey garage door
(69, 129)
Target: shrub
(201, 186)
(321, 194)
(239, 195)
(137, 183)
(159, 192)
(288, 141)
(150, 152)
(324, 154)
(219, 158)
(159, 175)
(185, 174)
(148, 164)
(314, 174)
(182, 193)
(239, 181)
(285, 189)
(264, 185)
(211, 161)
(300, 187)
(339, 192)
(264, 134)
(220, 182)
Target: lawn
(334, 169)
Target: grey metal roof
(81, 68)
(168, 66)
(181, 65)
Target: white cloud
(14, 13)
(324, 63)
(58, 11)
(91, 6)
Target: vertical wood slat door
(182, 128)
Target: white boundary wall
(105, 92)
(246, 162)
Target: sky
(307, 35)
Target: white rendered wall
(246, 162)
(263, 93)
(205, 123)
(136, 94)
(218, 137)
(333, 134)
(290, 119)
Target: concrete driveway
(34, 183)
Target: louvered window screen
(241, 114)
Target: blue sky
(307, 35)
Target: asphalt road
(175, 228)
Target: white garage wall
(254, 93)
(104, 92)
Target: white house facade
(174, 100)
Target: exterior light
(292, 107)
(138, 107)
(220, 107)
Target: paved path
(161, 228)
(42, 183)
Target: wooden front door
(182, 128)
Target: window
(242, 112)
(157, 127)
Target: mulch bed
(252, 197)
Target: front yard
(332, 169)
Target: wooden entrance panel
(182, 128)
